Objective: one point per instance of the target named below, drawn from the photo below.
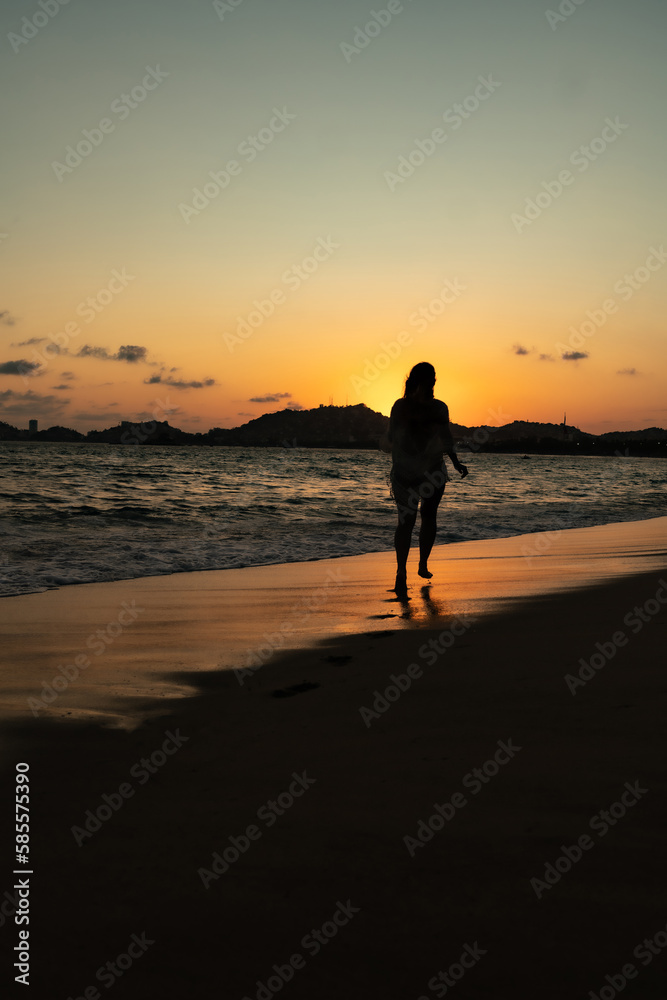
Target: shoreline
(193, 827)
(314, 559)
(116, 643)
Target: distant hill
(529, 430)
(9, 433)
(150, 432)
(327, 426)
(360, 427)
(650, 434)
(57, 434)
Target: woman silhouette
(418, 436)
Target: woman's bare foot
(401, 585)
(423, 571)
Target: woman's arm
(459, 466)
(448, 441)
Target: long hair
(422, 376)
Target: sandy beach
(284, 780)
(293, 293)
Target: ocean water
(72, 513)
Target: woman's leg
(407, 515)
(402, 538)
(428, 529)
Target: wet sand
(105, 651)
(377, 803)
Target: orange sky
(471, 188)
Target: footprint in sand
(294, 689)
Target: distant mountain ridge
(359, 427)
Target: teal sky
(325, 175)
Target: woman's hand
(463, 469)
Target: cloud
(98, 407)
(574, 355)
(98, 417)
(16, 405)
(159, 378)
(520, 349)
(6, 318)
(61, 386)
(294, 406)
(68, 375)
(164, 413)
(131, 353)
(242, 413)
(195, 384)
(19, 367)
(29, 343)
(94, 352)
(270, 397)
(628, 371)
(546, 357)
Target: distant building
(33, 426)
(568, 434)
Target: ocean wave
(201, 509)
